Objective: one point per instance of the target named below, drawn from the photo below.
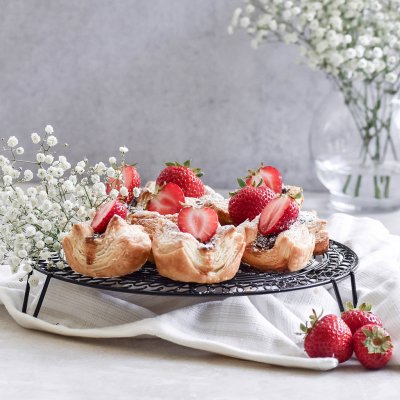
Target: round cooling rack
(336, 264)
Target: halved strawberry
(168, 200)
(130, 178)
(278, 215)
(106, 212)
(272, 178)
(202, 223)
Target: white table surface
(36, 365)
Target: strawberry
(328, 336)
(248, 202)
(265, 176)
(168, 200)
(202, 223)
(355, 318)
(372, 346)
(106, 212)
(278, 215)
(130, 178)
(184, 176)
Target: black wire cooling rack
(338, 263)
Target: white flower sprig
(35, 219)
(356, 39)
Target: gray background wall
(161, 77)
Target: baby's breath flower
(51, 141)
(34, 280)
(113, 160)
(124, 191)
(35, 138)
(28, 175)
(20, 151)
(49, 159)
(12, 141)
(7, 180)
(40, 157)
(123, 149)
(49, 129)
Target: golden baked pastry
(181, 257)
(121, 250)
(317, 227)
(290, 250)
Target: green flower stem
(358, 186)
(377, 190)
(387, 187)
(346, 184)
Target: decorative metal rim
(336, 265)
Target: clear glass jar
(359, 166)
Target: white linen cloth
(260, 328)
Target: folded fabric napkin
(260, 328)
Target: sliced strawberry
(168, 200)
(272, 178)
(106, 212)
(278, 215)
(202, 223)
(130, 179)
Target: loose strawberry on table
(168, 200)
(278, 215)
(130, 178)
(187, 178)
(106, 212)
(373, 346)
(328, 336)
(355, 318)
(202, 223)
(248, 202)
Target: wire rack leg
(42, 294)
(353, 288)
(26, 295)
(337, 294)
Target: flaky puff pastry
(121, 250)
(181, 257)
(292, 250)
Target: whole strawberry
(373, 346)
(188, 179)
(248, 202)
(355, 318)
(328, 336)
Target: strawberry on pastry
(129, 178)
(248, 202)
(187, 178)
(328, 336)
(106, 212)
(278, 215)
(202, 223)
(355, 318)
(373, 346)
(168, 200)
(265, 176)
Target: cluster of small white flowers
(348, 39)
(35, 219)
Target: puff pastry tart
(289, 250)
(181, 257)
(121, 250)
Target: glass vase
(355, 151)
